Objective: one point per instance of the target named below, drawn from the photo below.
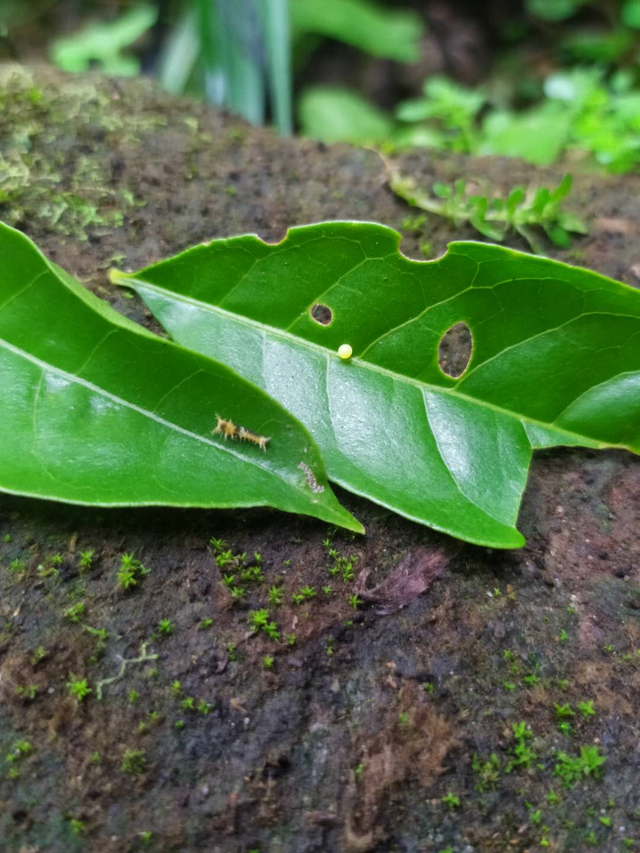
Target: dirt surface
(472, 719)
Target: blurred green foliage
(246, 55)
(102, 44)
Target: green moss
(41, 178)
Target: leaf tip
(117, 277)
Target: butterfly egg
(345, 351)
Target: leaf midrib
(124, 280)
(72, 377)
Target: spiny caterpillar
(227, 429)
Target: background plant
(251, 56)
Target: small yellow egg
(345, 351)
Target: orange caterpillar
(227, 429)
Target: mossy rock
(352, 737)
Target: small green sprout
(17, 566)
(176, 688)
(130, 572)
(73, 614)
(78, 687)
(290, 639)
(146, 837)
(451, 801)
(217, 545)
(7, 538)
(523, 755)
(95, 758)
(86, 559)
(275, 596)
(355, 601)
(563, 636)
(27, 692)
(268, 662)
(563, 711)
(252, 574)
(134, 762)
(126, 578)
(19, 750)
(165, 627)
(133, 696)
(179, 724)
(303, 594)
(205, 707)
(327, 590)
(586, 708)
(207, 622)
(488, 771)
(329, 646)
(605, 821)
(188, 704)
(78, 827)
(495, 216)
(100, 633)
(572, 769)
(223, 558)
(39, 653)
(552, 798)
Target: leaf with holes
(97, 410)
(556, 359)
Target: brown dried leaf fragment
(408, 580)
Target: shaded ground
(351, 737)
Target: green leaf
(554, 10)
(333, 114)
(103, 42)
(387, 33)
(97, 410)
(538, 135)
(556, 360)
(630, 14)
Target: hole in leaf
(322, 314)
(454, 350)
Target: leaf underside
(555, 361)
(97, 410)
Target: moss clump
(42, 178)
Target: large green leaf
(97, 410)
(334, 114)
(387, 33)
(556, 360)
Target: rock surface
(351, 739)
